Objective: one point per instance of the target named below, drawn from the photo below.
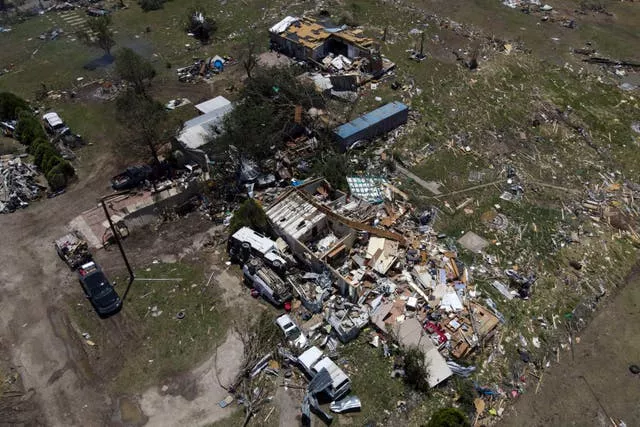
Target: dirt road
(34, 325)
(38, 338)
(596, 384)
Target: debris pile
(204, 68)
(18, 184)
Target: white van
(264, 280)
(312, 362)
(245, 241)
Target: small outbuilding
(372, 124)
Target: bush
(42, 151)
(334, 168)
(11, 105)
(148, 5)
(448, 417)
(67, 170)
(28, 129)
(249, 214)
(56, 179)
(415, 368)
(466, 394)
(35, 144)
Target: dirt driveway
(38, 340)
(34, 325)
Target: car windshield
(104, 293)
(293, 333)
(96, 281)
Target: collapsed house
(368, 262)
(347, 53)
(309, 39)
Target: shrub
(249, 214)
(56, 178)
(466, 394)
(28, 129)
(11, 105)
(67, 170)
(51, 160)
(35, 144)
(39, 153)
(448, 417)
(415, 368)
(148, 5)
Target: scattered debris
(348, 404)
(18, 186)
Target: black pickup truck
(132, 177)
(98, 289)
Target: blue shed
(372, 124)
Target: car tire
(245, 251)
(277, 265)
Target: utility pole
(116, 235)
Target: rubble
(18, 186)
(204, 68)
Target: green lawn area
(371, 381)
(162, 345)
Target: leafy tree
(263, 120)
(249, 214)
(448, 417)
(99, 35)
(11, 105)
(200, 25)
(147, 120)
(335, 168)
(134, 69)
(415, 368)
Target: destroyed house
(372, 124)
(309, 39)
(313, 220)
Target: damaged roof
(312, 34)
(294, 215)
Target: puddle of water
(129, 413)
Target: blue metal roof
(371, 118)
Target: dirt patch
(166, 409)
(128, 413)
(595, 383)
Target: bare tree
(136, 70)
(99, 34)
(249, 55)
(258, 343)
(147, 120)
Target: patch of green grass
(164, 345)
(371, 381)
